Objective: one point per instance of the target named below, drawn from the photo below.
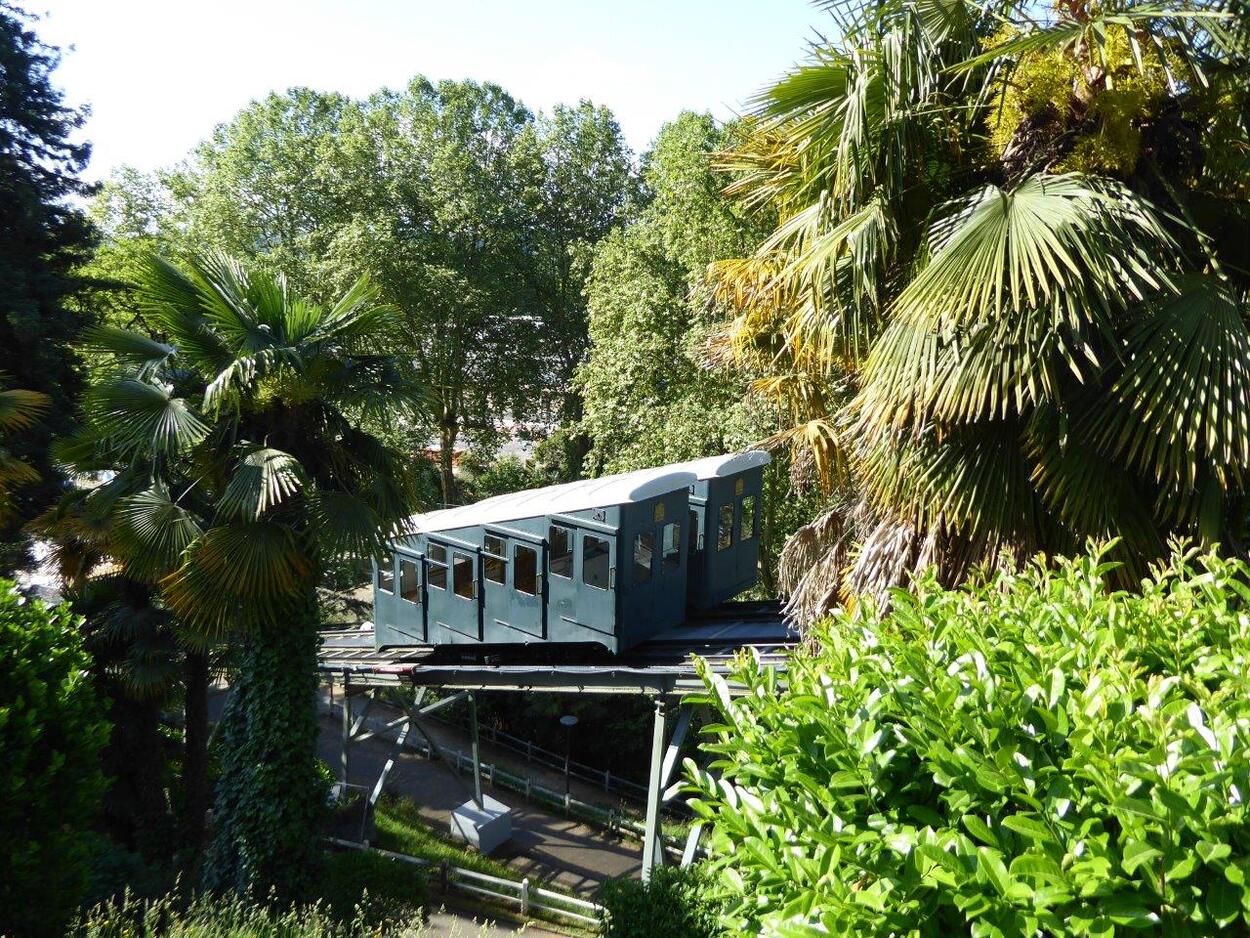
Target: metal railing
(611, 820)
(602, 778)
(528, 898)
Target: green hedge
(1033, 754)
(676, 903)
(52, 731)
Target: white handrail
(525, 896)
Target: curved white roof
(713, 467)
(620, 489)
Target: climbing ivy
(270, 793)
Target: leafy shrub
(1032, 754)
(676, 903)
(52, 730)
(373, 887)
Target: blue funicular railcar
(596, 561)
(611, 561)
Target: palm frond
(262, 478)
(140, 417)
(153, 533)
(21, 409)
(238, 575)
(1070, 244)
(140, 353)
(1183, 399)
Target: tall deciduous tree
(650, 396)
(42, 238)
(1004, 300)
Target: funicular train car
(608, 561)
(725, 504)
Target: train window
(644, 547)
(595, 561)
(525, 571)
(561, 562)
(725, 527)
(670, 546)
(409, 582)
(494, 559)
(746, 525)
(462, 579)
(694, 531)
(386, 574)
(437, 577)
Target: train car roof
(623, 488)
(713, 467)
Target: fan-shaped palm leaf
(139, 417)
(262, 478)
(238, 575)
(21, 409)
(1183, 400)
(153, 532)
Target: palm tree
(19, 410)
(1004, 305)
(239, 472)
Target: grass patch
(402, 829)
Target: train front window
(386, 574)
(494, 559)
(409, 581)
(525, 570)
(644, 547)
(595, 561)
(670, 546)
(746, 525)
(561, 562)
(437, 577)
(462, 579)
(725, 527)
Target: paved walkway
(544, 845)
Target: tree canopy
(43, 239)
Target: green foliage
(676, 903)
(43, 237)
(52, 731)
(992, 229)
(1031, 754)
(357, 882)
(483, 478)
(270, 795)
(224, 917)
(648, 396)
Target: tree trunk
(447, 462)
(271, 795)
(195, 751)
(576, 443)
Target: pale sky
(159, 75)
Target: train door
(384, 602)
(581, 582)
(453, 572)
(748, 537)
(511, 587)
(408, 604)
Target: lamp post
(568, 721)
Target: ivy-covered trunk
(270, 796)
